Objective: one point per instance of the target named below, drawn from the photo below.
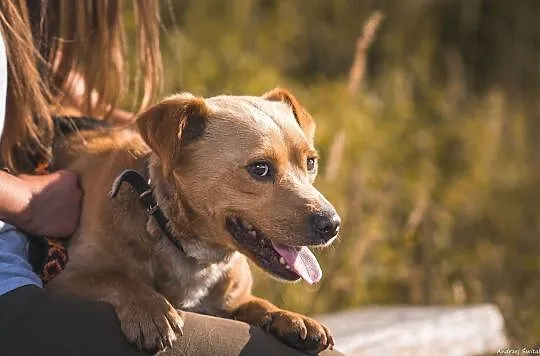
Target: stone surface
(418, 331)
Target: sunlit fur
(199, 149)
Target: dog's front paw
(298, 331)
(152, 324)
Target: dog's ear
(172, 124)
(303, 118)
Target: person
(55, 54)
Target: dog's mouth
(286, 262)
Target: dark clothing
(35, 322)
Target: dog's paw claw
(151, 325)
(299, 331)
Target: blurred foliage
(433, 163)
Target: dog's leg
(295, 329)
(146, 317)
(232, 298)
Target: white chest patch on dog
(188, 282)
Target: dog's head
(243, 168)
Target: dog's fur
(195, 151)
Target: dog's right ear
(172, 124)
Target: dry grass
(356, 74)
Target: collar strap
(146, 197)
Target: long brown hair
(47, 41)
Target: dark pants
(36, 322)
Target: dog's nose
(325, 225)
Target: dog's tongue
(301, 260)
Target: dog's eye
(261, 170)
(311, 164)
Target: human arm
(47, 205)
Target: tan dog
(234, 176)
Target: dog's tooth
(282, 260)
(287, 267)
(245, 224)
(253, 233)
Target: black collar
(146, 197)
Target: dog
(233, 176)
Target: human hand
(51, 204)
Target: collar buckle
(146, 197)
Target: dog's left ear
(303, 118)
(172, 124)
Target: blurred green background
(428, 128)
